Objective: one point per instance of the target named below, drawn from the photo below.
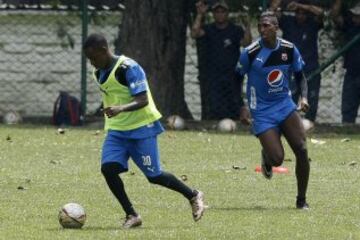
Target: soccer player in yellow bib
(132, 125)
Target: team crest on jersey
(284, 57)
(275, 78)
(227, 42)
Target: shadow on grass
(249, 208)
(111, 228)
(90, 228)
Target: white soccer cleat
(197, 206)
(132, 221)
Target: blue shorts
(272, 118)
(144, 153)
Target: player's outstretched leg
(302, 176)
(195, 197)
(295, 135)
(111, 173)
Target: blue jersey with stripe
(269, 72)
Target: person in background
(300, 23)
(221, 42)
(349, 24)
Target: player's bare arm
(247, 39)
(301, 81)
(274, 5)
(139, 101)
(245, 117)
(196, 30)
(316, 10)
(335, 13)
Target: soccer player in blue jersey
(132, 125)
(269, 64)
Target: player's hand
(245, 116)
(292, 6)
(245, 19)
(303, 105)
(112, 111)
(201, 7)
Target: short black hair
(95, 40)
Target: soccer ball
(61, 131)
(226, 125)
(12, 117)
(72, 215)
(308, 125)
(176, 122)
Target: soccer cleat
(132, 221)
(265, 168)
(302, 205)
(197, 206)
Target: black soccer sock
(168, 180)
(111, 173)
(302, 171)
(300, 199)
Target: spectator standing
(301, 25)
(349, 24)
(221, 42)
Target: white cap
(220, 4)
(355, 10)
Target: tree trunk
(153, 32)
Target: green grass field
(56, 169)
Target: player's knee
(300, 149)
(155, 180)
(278, 162)
(110, 169)
(107, 171)
(276, 159)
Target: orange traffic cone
(275, 169)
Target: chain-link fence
(329, 106)
(40, 54)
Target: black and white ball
(176, 122)
(72, 215)
(12, 117)
(226, 125)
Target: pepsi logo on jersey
(275, 78)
